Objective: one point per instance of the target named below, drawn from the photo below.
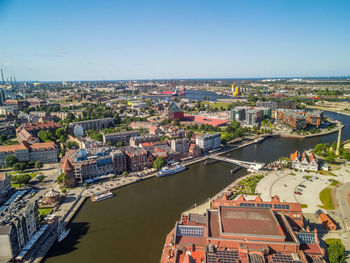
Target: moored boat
(171, 170)
(101, 196)
(63, 234)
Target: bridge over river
(249, 165)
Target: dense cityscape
(64, 142)
(174, 131)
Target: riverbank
(336, 107)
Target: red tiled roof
(39, 126)
(42, 145)
(67, 166)
(311, 249)
(12, 148)
(204, 120)
(27, 146)
(293, 156)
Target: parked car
(298, 193)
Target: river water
(131, 227)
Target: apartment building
(46, 152)
(5, 186)
(29, 131)
(209, 141)
(123, 137)
(19, 221)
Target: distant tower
(339, 141)
(2, 75)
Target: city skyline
(161, 40)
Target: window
(190, 231)
(306, 238)
(280, 206)
(265, 205)
(247, 204)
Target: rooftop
(248, 221)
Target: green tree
(38, 165)
(21, 179)
(60, 132)
(72, 145)
(124, 174)
(331, 156)
(336, 252)
(19, 166)
(159, 162)
(40, 178)
(46, 136)
(176, 122)
(62, 178)
(10, 160)
(119, 144)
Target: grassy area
(217, 104)
(326, 198)
(303, 205)
(329, 240)
(334, 183)
(32, 175)
(44, 211)
(328, 173)
(247, 186)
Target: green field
(326, 198)
(44, 211)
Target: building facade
(209, 141)
(123, 137)
(46, 152)
(136, 159)
(304, 161)
(241, 232)
(5, 186)
(97, 124)
(19, 220)
(27, 131)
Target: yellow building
(236, 90)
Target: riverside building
(242, 231)
(19, 221)
(94, 163)
(209, 141)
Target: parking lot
(293, 186)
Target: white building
(78, 130)
(209, 141)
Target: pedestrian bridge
(249, 165)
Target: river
(131, 227)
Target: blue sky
(105, 39)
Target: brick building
(29, 131)
(136, 159)
(242, 231)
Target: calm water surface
(131, 227)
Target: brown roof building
(244, 233)
(29, 131)
(46, 152)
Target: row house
(304, 162)
(46, 152)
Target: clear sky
(111, 39)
